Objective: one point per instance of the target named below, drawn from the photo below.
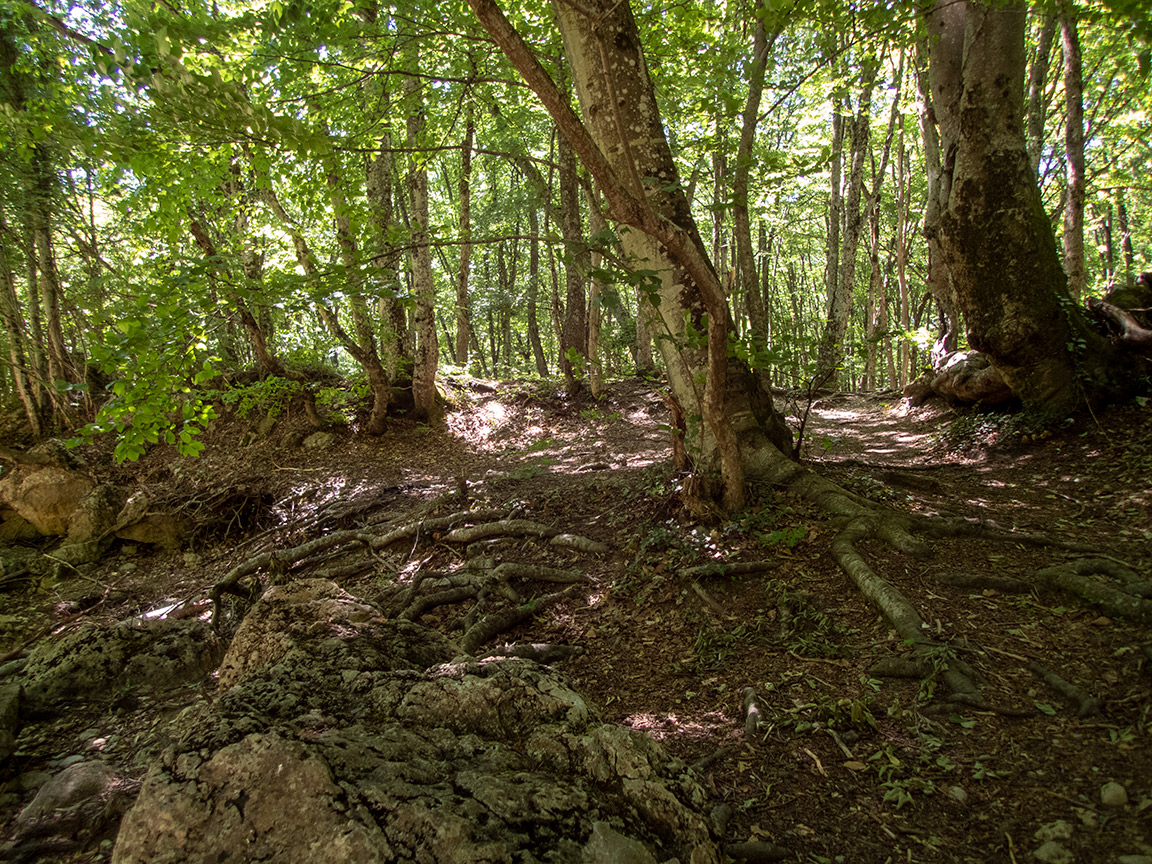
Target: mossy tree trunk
(997, 240)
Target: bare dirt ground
(846, 765)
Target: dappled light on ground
(847, 761)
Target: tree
(998, 242)
(624, 148)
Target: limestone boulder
(46, 496)
(398, 749)
(93, 662)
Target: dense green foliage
(190, 164)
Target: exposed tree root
(756, 851)
(541, 652)
(1076, 577)
(860, 520)
(493, 625)
(1085, 703)
(740, 568)
(478, 579)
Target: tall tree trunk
(43, 200)
(392, 319)
(363, 347)
(1126, 250)
(832, 344)
(13, 319)
(533, 293)
(999, 243)
(835, 206)
(741, 432)
(742, 225)
(595, 289)
(1073, 152)
(932, 124)
(426, 359)
(463, 327)
(1037, 89)
(573, 345)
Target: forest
(576, 432)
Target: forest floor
(845, 765)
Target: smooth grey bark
(938, 281)
(1037, 89)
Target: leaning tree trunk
(622, 144)
(997, 239)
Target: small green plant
(270, 395)
(339, 403)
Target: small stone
(957, 794)
(319, 441)
(1113, 795)
(128, 566)
(192, 559)
(1058, 830)
(1053, 853)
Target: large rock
(9, 722)
(102, 661)
(95, 514)
(397, 751)
(46, 496)
(962, 376)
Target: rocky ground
(772, 693)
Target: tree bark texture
(463, 318)
(573, 344)
(426, 358)
(622, 143)
(999, 244)
(742, 225)
(1073, 153)
(832, 344)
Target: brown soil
(846, 766)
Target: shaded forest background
(193, 191)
